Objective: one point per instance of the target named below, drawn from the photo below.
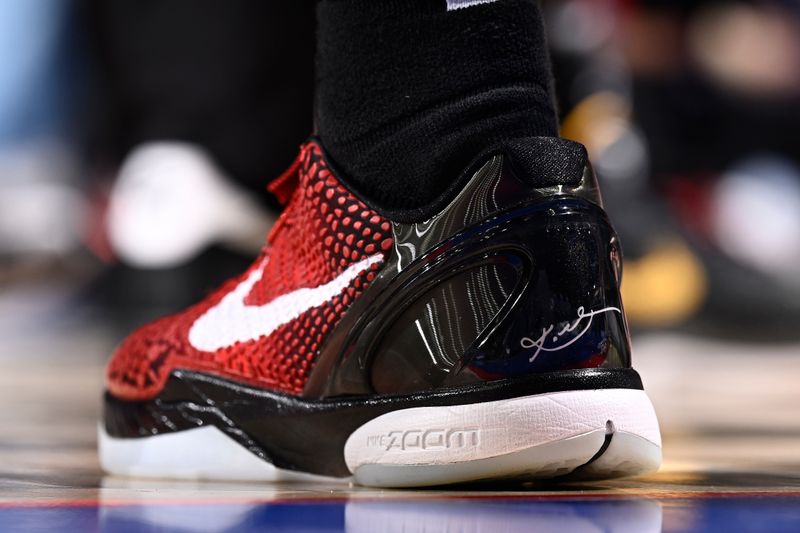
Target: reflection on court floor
(470, 515)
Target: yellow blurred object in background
(597, 121)
(666, 286)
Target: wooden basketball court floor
(729, 414)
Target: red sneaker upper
(266, 327)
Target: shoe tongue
(283, 186)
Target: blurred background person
(133, 144)
(691, 111)
(202, 110)
(194, 117)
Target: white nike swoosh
(231, 321)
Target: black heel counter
(535, 290)
(468, 295)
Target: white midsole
(464, 433)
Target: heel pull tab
(553, 162)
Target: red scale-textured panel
(324, 230)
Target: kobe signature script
(528, 343)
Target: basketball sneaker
(480, 338)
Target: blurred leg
(234, 77)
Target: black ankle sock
(409, 93)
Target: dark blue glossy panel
(473, 515)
